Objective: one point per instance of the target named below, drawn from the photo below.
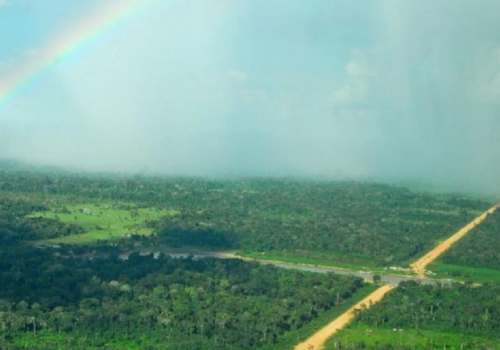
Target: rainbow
(82, 34)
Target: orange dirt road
(419, 265)
(317, 340)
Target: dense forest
(481, 248)
(471, 314)
(358, 222)
(51, 301)
(108, 291)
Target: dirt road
(419, 265)
(317, 340)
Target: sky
(362, 89)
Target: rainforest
(100, 260)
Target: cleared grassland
(103, 221)
(365, 337)
(464, 273)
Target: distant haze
(333, 89)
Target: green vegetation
(103, 221)
(476, 256)
(92, 282)
(334, 223)
(427, 317)
(349, 223)
(365, 337)
(291, 339)
(352, 262)
(53, 301)
(464, 273)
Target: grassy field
(351, 262)
(464, 273)
(47, 340)
(316, 259)
(102, 222)
(384, 338)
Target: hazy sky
(338, 88)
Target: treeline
(50, 302)
(480, 248)
(460, 307)
(16, 226)
(203, 238)
(13, 225)
(389, 224)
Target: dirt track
(317, 340)
(419, 265)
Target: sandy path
(419, 265)
(317, 340)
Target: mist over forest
(386, 90)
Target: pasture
(103, 221)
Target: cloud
(254, 95)
(237, 75)
(495, 84)
(357, 69)
(4, 3)
(394, 89)
(358, 81)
